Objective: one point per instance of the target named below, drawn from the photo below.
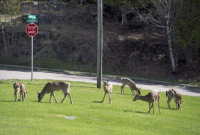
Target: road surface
(25, 74)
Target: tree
(186, 33)
(159, 13)
(12, 7)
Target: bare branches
(156, 13)
(149, 18)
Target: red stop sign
(31, 29)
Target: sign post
(99, 42)
(31, 30)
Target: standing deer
(170, 94)
(107, 89)
(19, 87)
(150, 98)
(50, 87)
(130, 83)
(82, 1)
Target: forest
(146, 38)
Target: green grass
(123, 116)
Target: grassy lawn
(92, 117)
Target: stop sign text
(31, 29)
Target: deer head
(106, 83)
(137, 96)
(40, 96)
(16, 86)
(138, 90)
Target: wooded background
(176, 21)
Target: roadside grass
(123, 116)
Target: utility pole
(99, 42)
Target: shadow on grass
(124, 94)
(41, 102)
(164, 108)
(141, 112)
(128, 110)
(86, 86)
(97, 101)
(173, 109)
(8, 101)
(135, 111)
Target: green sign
(29, 20)
(32, 16)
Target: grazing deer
(124, 12)
(107, 89)
(150, 98)
(170, 94)
(19, 87)
(50, 87)
(82, 1)
(130, 83)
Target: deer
(150, 98)
(130, 83)
(82, 1)
(170, 94)
(19, 88)
(107, 89)
(124, 12)
(50, 87)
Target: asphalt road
(25, 74)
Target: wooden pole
(99, 42)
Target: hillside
(68, 41)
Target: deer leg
(175, 103)
(168, 102)
(110, 98)
(20, 94)
(70, 97)
(64, 98)
(52, 94)
(133, 91)
(179, 104)
(153, 107)
(54, 97)
(159, 105)
(149, 107)
(50, 98)
(23, 95)
(122, 88)
(16, 95)
(104, 97)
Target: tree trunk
(4, 41)
(168, 28)
(171, 50)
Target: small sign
(31, 29)
(32, 16)
(29, 20)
